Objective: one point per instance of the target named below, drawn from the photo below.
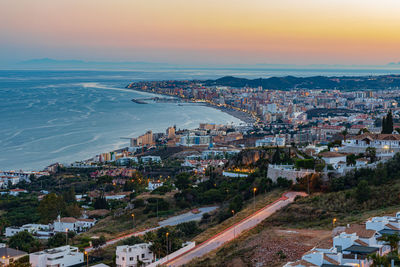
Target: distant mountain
(316, 82)
(81, 64)
(40, 61)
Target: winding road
(235, 230)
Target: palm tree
(392, 241)
(344, 134)
(378, 260)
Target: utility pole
(167, 244)
(66, 236)
(234, 226)
(254, 198)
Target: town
(163, 196)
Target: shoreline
(241, 115)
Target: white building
(147, 159)
(271, 141)
(57, 257)
(16, 192)
(385, 224)
(234, 174)
(154, 185)
(131, 256)
(381, 142)
(35, 229)
(195, 140)
(71, 224)
(333, 158)
(8, 255)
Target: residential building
(148, 159)
(195, 140)
(381, 142)
(143, 140)
(154, 185)
(8, 255)
(333, 158)
(40, 230)
(71, 224)
(57, 257)
(136, 255)
(271, 141)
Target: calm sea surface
(63, 116)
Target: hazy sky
(202, 31)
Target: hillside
(315, 82)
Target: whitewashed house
(271, 141)
(57, 257)
(333, 158)
(132, 256)
(148, 159)
(154, 185)
(71, 224)
(385, 224)
(40, 230)
(381, 142)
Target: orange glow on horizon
(258, 31)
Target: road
(186, 217)
(233, 231)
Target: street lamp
(254, 198)
(234, 226)
(166, 235)
(334, 222)
(87, 258)
(66, 236)
(133, 219)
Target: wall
(173, 255)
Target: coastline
(238, 114)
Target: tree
(24, 241)
(387, 123)
(363, 191)
(182, 181)
(344, 134)
(50, 207)
(392, 241)
(276, 158)
(351, 159)
(57, 240)
(371, 153)
(384, 126)
(101, 203)
(21, 262)
(69, 195)
(73, 210)
(98, 242)
(188, 229)
(378, 261)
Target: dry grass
(264, 247)
(261, 201)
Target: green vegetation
(387, 123)
(18, 210)
(24, 241)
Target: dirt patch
(272, 248)
(268, 247)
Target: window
(123, 258)
(131, 258)
(142, 255)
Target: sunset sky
(202, 31)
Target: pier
(156, 99)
